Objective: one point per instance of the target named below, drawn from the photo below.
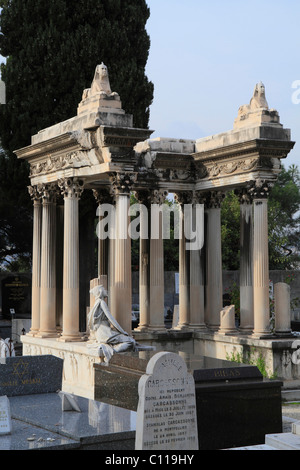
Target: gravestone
(5, 417)
(16, 296)
(29, 375)
(166, 414)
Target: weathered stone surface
(28, 375)
(5, 418)
(166, 415)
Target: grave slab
(96, 426)
(27, 375)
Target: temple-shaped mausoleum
(99, 150)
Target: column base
(182, 327)
(71, 339)
(156, 329)
(46, 334)
(248, 330)
(263, 335)
(284, 334)
(199, 327)
(224, 331)
(142, 328)
(32, 333)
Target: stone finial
(258, 99)
(100, 83)
(257, 112)
(99, 96)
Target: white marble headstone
(166, 414)
(5, 417)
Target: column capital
(244, 195)
(184, 197)
(71, 187)
(158, 196)
(214, 199)
(34, 193)
(260, 189)
(48, 192)
(122, 183)
(143, 196)
(103, 196)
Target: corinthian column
(144, 264)
(246, 261)
(260, 191)
(156, 281)
(184, 264)
(71, 189)
(36, 260)
(120, 294)
(48, 262)
(197, 263)
(214, 286)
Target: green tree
(283, 223)
(51, 50)
(284, 220)
(230, 231)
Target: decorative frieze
(75, 159)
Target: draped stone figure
(109, 335)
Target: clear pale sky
(206, 57)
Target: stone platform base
(278, 355)
(79, 360)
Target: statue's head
(102, 71)
(99, 292)
(259, 89)
(102, 292)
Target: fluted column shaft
(261, 268)
(120, 284)
(246, 263)
(197, 274)
(184, 262)
(260, 190)
(157, 282)
(36, 260)
(157, 291)
(71, 189)
(48, 263)
(214, 286)
(144, 260)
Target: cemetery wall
(20, 295)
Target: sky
(206, 57)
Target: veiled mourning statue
(109, 335)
